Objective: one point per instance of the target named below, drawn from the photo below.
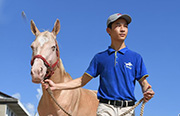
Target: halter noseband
(50, 68)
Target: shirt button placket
(116, 57)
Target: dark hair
(110, 25)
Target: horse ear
(56, 28)
(34, 29)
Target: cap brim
(126, 17)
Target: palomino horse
(46, 63)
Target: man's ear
(108, 30)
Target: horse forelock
(45, 37)
(46, 34)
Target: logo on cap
(119, 14)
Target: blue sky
(154, 33)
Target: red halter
(50, 68)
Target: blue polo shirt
(118, 71)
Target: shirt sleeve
(93, 68)
(141, 71)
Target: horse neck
(59, 76)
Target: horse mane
(63, 71)
(61, 66)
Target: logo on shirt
(128, 65)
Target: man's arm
(146, 89)
(76, 83)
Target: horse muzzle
(38, 70)
(41, 69)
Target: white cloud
(29, 106)
(39, 90)
(17, 96)
(31, 109)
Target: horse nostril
(41, 69)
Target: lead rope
(128, 111)
(142, 107)
(52, 96)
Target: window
(9, 112)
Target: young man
(118, 68)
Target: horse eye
(53, 48)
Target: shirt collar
(111, 50)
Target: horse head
(45, 56)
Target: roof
(14, 104)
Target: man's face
(119, 30)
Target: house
(10, 106)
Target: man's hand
(148, 94)
(73, 84)
(48, 83)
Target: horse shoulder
(88, 103)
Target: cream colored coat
(77, 102)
